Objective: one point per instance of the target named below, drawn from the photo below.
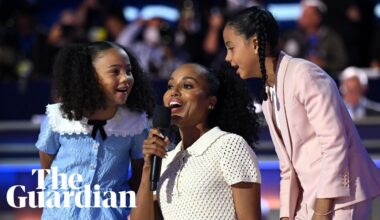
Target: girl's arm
(46, 160)
(247, 200)
(323, 209)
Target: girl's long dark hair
(259, 22)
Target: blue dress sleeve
(47, 139)
(138, 140)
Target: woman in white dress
(213, 172)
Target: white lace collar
(124, 123)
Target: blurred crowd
(333, 34)
(27, 49)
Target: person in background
(314, 41)
(24, 52)
(353, 87)
(354, 21)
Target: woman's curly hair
(77, 86)
(234, 111)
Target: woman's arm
(46, 160)
(144, 200)
(137, 166)
(247, 200)
(146, 206)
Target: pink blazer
(319, 149)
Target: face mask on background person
(152, 35)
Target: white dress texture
(196, 183)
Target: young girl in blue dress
(97, 128)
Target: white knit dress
(196, 183)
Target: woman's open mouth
(175, 105)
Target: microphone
(161, 120)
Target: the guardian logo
(62, 196)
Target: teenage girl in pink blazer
(326, 173)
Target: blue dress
(104, 163)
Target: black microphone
(161, 120)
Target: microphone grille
(161, 117)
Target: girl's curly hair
(234, 111)
(77, 86)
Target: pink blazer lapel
(281, 151)
(267, 110)
(283, 143)
(281, 73)
(283, 61)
